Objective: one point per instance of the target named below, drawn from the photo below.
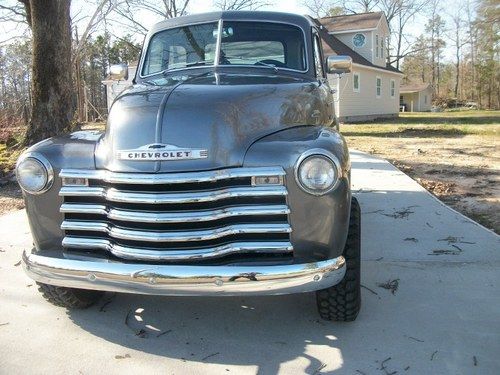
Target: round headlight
(317, 174)
(34, 174)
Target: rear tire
(342, 302)
(69, 298)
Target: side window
(393, 88)
(318, 58)
(355, 82)
(379, 87)
(376, 45)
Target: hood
(217, 115)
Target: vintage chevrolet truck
(221, 172)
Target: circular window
(359, 40)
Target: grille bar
(127, 252)
(115, 195)
(178, 217)
(174, 217)
(177, 236)
(171, 178)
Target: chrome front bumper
(177, 280)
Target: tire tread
(69, 297)
(342, 302)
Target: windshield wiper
(275, 68)
(268, 65)
(198, 63)
(189, 65)
(201, 63)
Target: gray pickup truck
(221, 172)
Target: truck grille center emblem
(162, 152)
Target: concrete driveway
(440, 315)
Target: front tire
(342, 302)
(69, 298)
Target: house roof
(333, 45)
(413, 87)
(363, 21)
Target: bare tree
(128, 10)
(399, 14)
(435, 28)
(163, 8)
(14, 13)
(319, 8)
(240, 4)
(471, 40)
(360, 6)
(102, 9)
(127, 17)
(458, 41)
(52, 86)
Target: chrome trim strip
(83, 208)
(218, 43)
(127, 252)
(174, 236)
(115, 195)
(173, 217)
(184, 280)
(82, 191)
(170, 178)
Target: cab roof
(258, 16)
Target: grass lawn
(455, 155)
(426, 124)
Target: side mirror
(118, 72)
(338, 64)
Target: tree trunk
(457, 76)
(52, 85)
(400, 39)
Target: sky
(81, 9)
(291, 6)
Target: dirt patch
(463, 172)
(11, 198)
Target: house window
(376, 45)
(393, 88)
(379, 87)
(382, 48)
(355, 82)
(359, 40)
(425, 99)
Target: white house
(416, 97)
(371, 90)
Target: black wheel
(342, 302)
(69, 297)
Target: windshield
(180, 48)
(260, 44)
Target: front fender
(319, 223)
(75, 150)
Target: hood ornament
(162, 152)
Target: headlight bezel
(321, 153)
(44, 163)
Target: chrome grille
(177, 217)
